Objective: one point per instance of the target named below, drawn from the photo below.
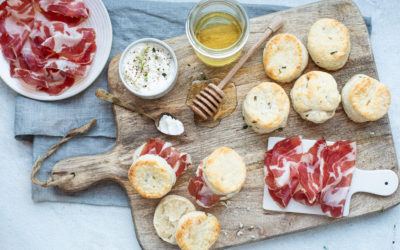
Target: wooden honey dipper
(207, 102)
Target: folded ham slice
(201, 192)
(68, 11)
(339, 159)
(58, 39)
(16, 22)
(178, 161)
(281, 164)
(310, 174)
(50, 75)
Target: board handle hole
(386, 183)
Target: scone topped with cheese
(329, 43)
(166, 217)
(365, 98)
(197, 231)
(315, 96)
(266, 107)
(285, 57)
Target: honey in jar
(218, 30)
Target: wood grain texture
(375, 149)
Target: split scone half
(197, 231)
(285, 57)
(266, 108)
(365, 98)
(219, 177)
(167, 215)
(315, 96)
(156, 166)
(329, 43)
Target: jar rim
(218, 53)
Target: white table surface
(25, 224)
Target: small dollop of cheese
(171, 126)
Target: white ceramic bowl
(172, 80)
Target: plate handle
(380, 182)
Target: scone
(329, 43)
(162, 160)
(365, 98)
(285, 57)
(166, 217)
(151, 176)
(219, 176)
(315, 96)
(197, 231)
(266, 108)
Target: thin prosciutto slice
(58, 39)
(16, 22)
(52, 75)
(68, 11)
(310, 174)
(339, 167)
(178, 161)
(281, 164)
(201, 192)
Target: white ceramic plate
(100, 21)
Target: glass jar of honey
(217, 31)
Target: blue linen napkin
(46, 122)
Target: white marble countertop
(25, 224)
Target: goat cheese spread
(148, 67)
(171, 126)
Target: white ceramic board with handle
(379, 182)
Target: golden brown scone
(197, 231)
(329, 43)
(285, 57)
(151, 176)
(266, 108)
(365, 98)
(224, 171)
(315, 96)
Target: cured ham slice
(68, 11)
(16, 22)
(57, 39)
(339, 161)
(281, 164)
(310, 174)
(178, 161)
(51, 76)
(201, 192)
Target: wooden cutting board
(375, 149)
